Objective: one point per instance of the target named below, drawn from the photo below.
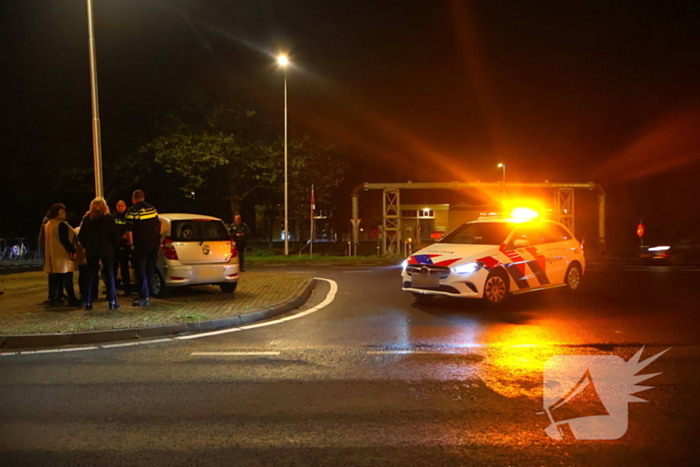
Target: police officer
(123, 254)
(239, 232)
(143, 234)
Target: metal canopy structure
(563, 205)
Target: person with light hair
(100, 237)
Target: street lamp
(96, 139)
(503, 196)
(283, 61)
(502, 165)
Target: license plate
(425, 281)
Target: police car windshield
(479, 233)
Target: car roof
(510, 221)
(183, 216)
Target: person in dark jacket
(123, 254)
(100, 238)
(143, 233)
(240, 232)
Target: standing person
(42, 248)
(122, 255)
(239, 232)
(143, 233)
(59, 252)
(100, 237)
(83, 271)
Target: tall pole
(311, 227)
(286, 200)
(96, 139)
(503, 192)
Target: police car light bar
(524, 213)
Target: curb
(94, 337)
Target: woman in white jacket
(59, 244)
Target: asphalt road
(370, 379)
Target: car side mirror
(521, 243)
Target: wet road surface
(370, 379)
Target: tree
(224, 138)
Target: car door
(555, 247)
(527, 266)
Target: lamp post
(503, 196)
(96, 139)
(283, 62)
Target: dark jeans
(94, 278)
(59, 282)
(83, 280)
(144, 259)
(121, 263)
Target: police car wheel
(496, 289)
(573, 277)
(158, 288)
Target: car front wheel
(496, 290)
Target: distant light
(283, 60)
(659, 248)
(524, 213)
(501, 164)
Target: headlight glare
(467, 268)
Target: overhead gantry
(563, 205)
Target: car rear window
(479, 233)
(199, 231)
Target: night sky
(603, 91)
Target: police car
(493, 257)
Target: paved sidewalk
(22, 311)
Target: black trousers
(83, 281)
(122, 258)
(94, 277)
(144, 258)
(59, 282)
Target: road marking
(350, 272)
(327, 301)
(30, 352)
(129, 344)
(398, 352)
(232, 354)
(301, 272)
(691, 270)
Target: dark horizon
(593, 92)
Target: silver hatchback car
(195, 250)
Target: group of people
(130, 235)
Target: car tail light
(234, 249)
(169, 249)
(582, 246)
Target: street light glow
(500, 164)
(283, 60)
